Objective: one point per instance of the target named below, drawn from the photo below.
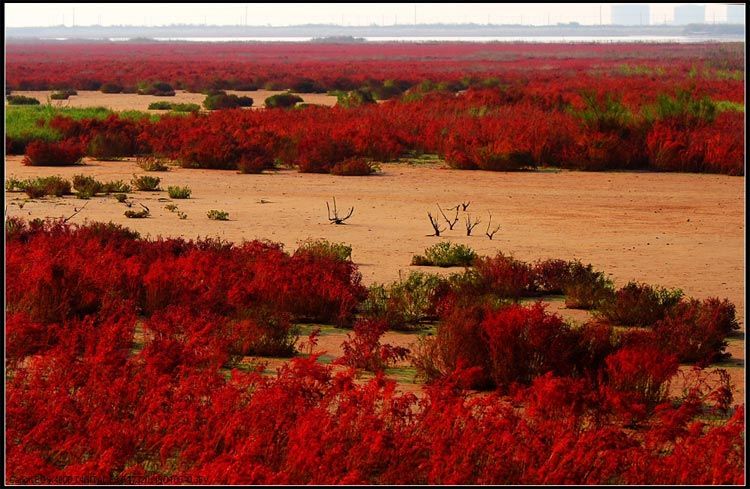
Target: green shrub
(110, 88)
(324, 248)
(40, 187)
(639, 305)
(117, 186)
(145, 183)
(586, 288)
(86, 186)
(355, 98)
(604, 113)
(224, 101)
(406, 304)
(22, 100)
(179, 192)
(143, 213)
(63, 94)
(446, 254)
(282, 100)
(151, 163)
(159, 89)
(161, 105)
(683, 107)
(177, 107)
(13, 184)
(215, 215)
(35, 192)
(121, 198)
(54, 185)
(390, 89)
(185, 107)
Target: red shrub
(503, 276)
(526, 342)
(63, 153)
(550, 276)
(695, 330)
(364, 350)
(642, 373)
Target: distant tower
(689, 14)
(631, 14)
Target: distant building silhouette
(735, 14)
(689, 14)
(631, 14)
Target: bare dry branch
(450, 223)
(491, 234)
(77, 210)
(336, 219)
(470, 225)
(435, 225)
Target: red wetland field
(375, 263)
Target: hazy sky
(45, 14)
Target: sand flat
(133, 101)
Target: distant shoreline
(302, 40)
(408, 33)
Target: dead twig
(435, 225)
(491, 234)
(77, 210)
(450, 223)
(463, 206)
(470, 225)
(336, 219)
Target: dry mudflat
(133, 101)
(673, 230)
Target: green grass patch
(640, 70)
(325, 330)
(727, 105)
(31, 122)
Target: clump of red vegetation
(619, 106)
(109, 336)
(61, 153)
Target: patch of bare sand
(674, 230)
(132, 101)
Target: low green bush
(224, 101)
(324, 248)
(216, 215)
(62, 94)
(407, 303)
(86, 186)
(282, 100)
(22, 100)
(145, 183)
(586, 288)
(151, 163)
(446, 254)
(178, 192)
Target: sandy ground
(674, 230)
(132, 101)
